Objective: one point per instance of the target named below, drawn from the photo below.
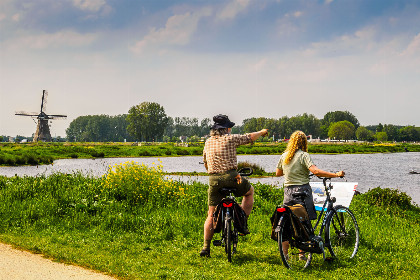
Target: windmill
(42, 130)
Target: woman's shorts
(289, 200)
(225, 180)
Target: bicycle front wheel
(342, 233)
(292, 257)
(228, 236)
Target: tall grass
(135, 224)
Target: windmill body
(42, 130)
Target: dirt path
(22, 265)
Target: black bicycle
(341, 235)
(232, 218)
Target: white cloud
(361, 41)
(413, 47)
(232, 9)
(297, 14)
(178, 31)
(65, 38)
(260, 65)
(89, 5)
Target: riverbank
(134, 224)
(15, 154)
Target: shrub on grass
(144, 153)
(389, 199)
(139, 184)
(257, 169)
(97, 154)
(182, 152)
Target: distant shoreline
(17, 154)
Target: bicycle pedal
(217, 242)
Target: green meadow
(133, 224)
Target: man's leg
(247, 204)
(208, 232)
(248, 201)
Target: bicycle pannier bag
(239, 219)
(300, 212)
(300, 222)
(218, 218)
(278, 213)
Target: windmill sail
(44, 101)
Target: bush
(139, 184)
(258, 170)
(181, 152)
(389, 199)
(97, 154)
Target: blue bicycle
(338, 232)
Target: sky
(197, 58)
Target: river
(389, 170)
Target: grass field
(133, 224)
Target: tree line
(149, 122)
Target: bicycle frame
(327, 207)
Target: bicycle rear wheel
(342, 233)
(292, 258)
(228, 236)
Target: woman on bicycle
(295, 165)
(221, 163)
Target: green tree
(186, 127)
(409, 133)
(306, 123)
(98, 128)
(251, 125)
(342, 130)
(118, 129)
(381, 136)
(392, 131)
(205, 126)
(364, 134)
(379, 128)
(169, 128)
(336, 116)
(147, 121)
(284, 133)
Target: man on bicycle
(221, 163)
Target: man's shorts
(225, 180)
(289, 200)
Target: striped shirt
(220, 152)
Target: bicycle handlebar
(245, 171)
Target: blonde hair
(297, 141)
